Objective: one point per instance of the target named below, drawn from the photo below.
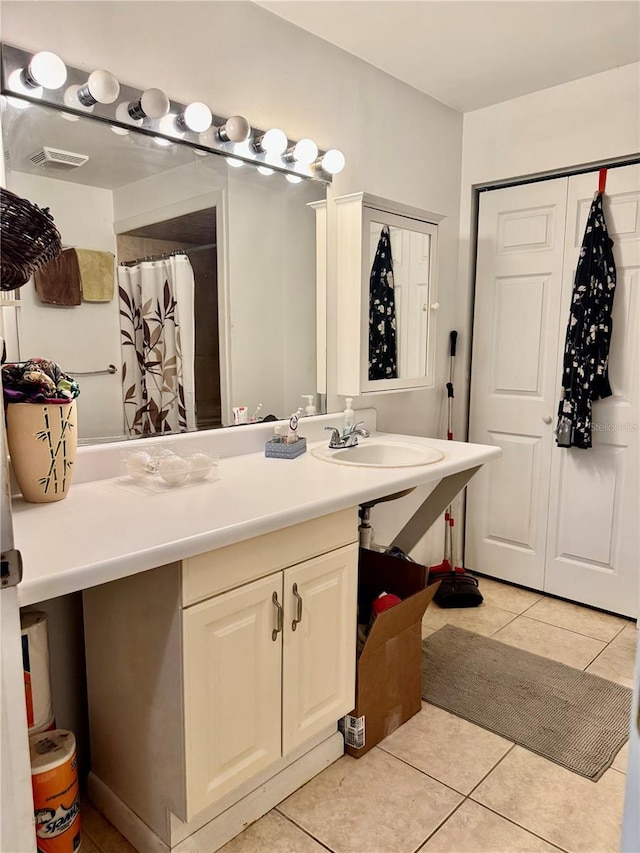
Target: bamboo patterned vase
(42, 439)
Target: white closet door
(514, 380)
(593, 544)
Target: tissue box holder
(281, 450)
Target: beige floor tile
(507, 597)
(103, 835)
(474, 829)
(275, 834)
(550, 642)
(374, 803)
(426, 631)
(628, 636)
(451, 750)
(565, 809)
(617, 663)
(574, 617)
(485, 619)
(87, 845)
(622, 759)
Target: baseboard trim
(221, 829)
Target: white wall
(81, 337)
(586, 122)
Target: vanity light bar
(39, 78)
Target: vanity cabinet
(267, 666)
(207, 677)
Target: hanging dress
(382, 313)
(586, 354)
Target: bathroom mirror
(387, 294)
(249, 238)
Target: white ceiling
(473, 53)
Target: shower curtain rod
(164, 255)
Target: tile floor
(440, 784)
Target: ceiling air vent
(47, 156)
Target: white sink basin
(380, 454)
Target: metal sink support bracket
(431, 509)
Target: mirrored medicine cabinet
(387, 295)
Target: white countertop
(103, 530)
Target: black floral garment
(586, 354)
(382, 313)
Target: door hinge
(10, 568)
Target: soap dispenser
(310, 409)
(348, 416)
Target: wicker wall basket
(29, 238)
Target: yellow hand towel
(96, 275)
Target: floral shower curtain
(157, 336)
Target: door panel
(516, 324)
(593, 550)
(319, 655)
(232, 690)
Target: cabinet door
(320, 654)
(232, 689)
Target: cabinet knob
(279, 617)
(298, 617)
(547, 419)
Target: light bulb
(71, 100)
(169, 124)
(237, 164)
(18, 103)
(18, 85)
(152, 103)
(264, 170)
(304, 152)
(273, 142)
(101, 88)
(244, 149)
(196, 117)
(162, 142)
(333, 161)
(45, 69)
(293, 179)
(119, 131)
(235, 129)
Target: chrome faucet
(349, 437)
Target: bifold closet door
(514, 376)
(593, 543)
(564, 521)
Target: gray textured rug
(571, 717)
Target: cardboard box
(388, 674)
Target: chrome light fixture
(43, 75)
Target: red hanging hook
(602, 181)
